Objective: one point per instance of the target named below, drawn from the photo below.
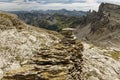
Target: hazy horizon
(27, 5)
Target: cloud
(83, 5)
(91, 1)
(54, 6)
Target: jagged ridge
(102, 27)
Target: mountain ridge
(103, 27)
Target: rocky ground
(30, 53)
(100, 63)
(56, 63)
(18, 42)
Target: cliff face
(112, 8)
(103, 27)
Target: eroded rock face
(103, 27)
(109, 8)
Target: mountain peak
(108, 7)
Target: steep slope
(103, 27)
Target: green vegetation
(55, 22)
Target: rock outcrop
(103, 27)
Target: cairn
(69, 37)
(74, 48)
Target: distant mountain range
(52, 12)
(52, 19)
(65, 12)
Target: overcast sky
(84, 5)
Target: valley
(54, 20)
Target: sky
(27, 5)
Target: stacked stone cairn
(69, 37)
(75, 47)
